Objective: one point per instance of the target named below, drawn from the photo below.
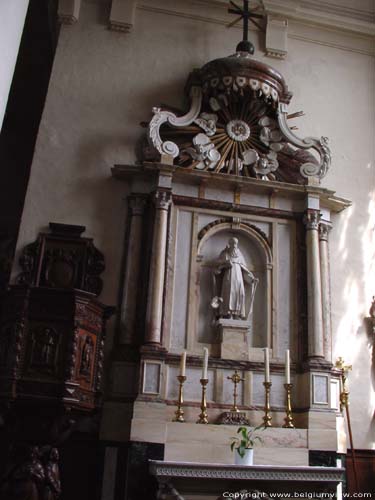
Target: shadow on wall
(354, 341)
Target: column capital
(311, 219)
(137, 204)
(162, 199)
(324, 230)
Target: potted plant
(244, 445)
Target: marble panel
(322, 420)
(265, 227)
(277, 394)
(289, 204)
(335, 394)
(285, 287)
(258, 389)
(150, 409)
(254, 200)
(278, 391)
(218, 194)
(181, 279)
(281, 456)
(234, 339)
(320, 389)
(321, 439)
(279, 446)
(185, 189)
(342, 439)
(195, 452)
(147, 430)
(192, 386)
(151, 378)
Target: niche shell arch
(258, 257)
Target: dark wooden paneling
(365, 465)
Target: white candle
(183, 364)
(205, 362)
(266, 365)
(287, 367)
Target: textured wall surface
(105, 83)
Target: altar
(225, 314)
(193, 481)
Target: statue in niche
(52, 488)
(86, 356)
(230, 275)
(45, 347)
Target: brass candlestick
(267, 419)
(203, 415)
(180, 412)
(289, 417)
(236, 379)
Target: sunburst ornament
(237, 122)
(237, 135)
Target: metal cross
(236, 379)
(247, 15)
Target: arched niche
(257, 253)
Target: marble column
(133, 267)
(162, 200)
(324, 229)
(314, 288)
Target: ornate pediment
(237, 124)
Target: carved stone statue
(230, 275)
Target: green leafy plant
(246, 439)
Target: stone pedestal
(234, 339)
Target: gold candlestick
(236, 379)
(203, 415)
(267, 419)
(180, 412)
(289, 417)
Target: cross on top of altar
(246, 15)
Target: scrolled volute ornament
(162, 116)
(308, 169)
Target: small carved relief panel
(85, 357)
(44, 350)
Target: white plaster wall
(104, 83)
(12, 19)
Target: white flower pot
(247, 459)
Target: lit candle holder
(266, 365)
(183, 364)
(287, 367)
(205, 363)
